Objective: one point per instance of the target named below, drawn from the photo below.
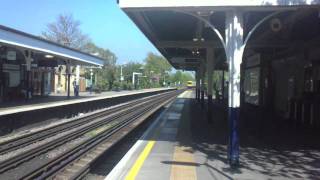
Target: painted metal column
(202, 83)
(197, 84)
(29, 59)
(234, 51)
(77, 80)
(68, 78)
(210, 59)
(222, 86)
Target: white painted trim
(207, 22)
(258, 24)
(234, 52)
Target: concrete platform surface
(181, 145)
(61, 99)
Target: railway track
(28, 139)
(74, 162)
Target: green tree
(182, 77)
(109, 57)
(128, 69)
(157, 64)
(108, 71)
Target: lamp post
(151, 78)
(164, 78)
(133, 78)
(121, 75)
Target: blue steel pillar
(234, 51)
(210, 59)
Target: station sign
(11, 55)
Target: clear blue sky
(102, 20)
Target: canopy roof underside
(176, 30)
(18, 39)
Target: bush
(126, 86)
(116, 86)
(101, 83)
(96, 89)
(129, 86)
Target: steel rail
(13, 162)
(28, 139)
(74, 153)
(94, 153)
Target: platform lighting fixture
(95, 54)
(48, 56)
(196, 39)
(205, 13)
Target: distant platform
(61, 100)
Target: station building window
(251, 85)
(12, 76)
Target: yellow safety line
(144, 154)
(183, 168)
(139, 162)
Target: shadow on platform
(280, 154)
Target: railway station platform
(181, 145)
(44, 111)
(61, 100)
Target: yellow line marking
(145, 153)
(139, 162)
(183, 168)
(143, 156)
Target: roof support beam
(212, 44)
(188, 44)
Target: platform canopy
(18, 39)
(178, 28)
(211, 3)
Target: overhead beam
(188, 44)
(212, 44)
